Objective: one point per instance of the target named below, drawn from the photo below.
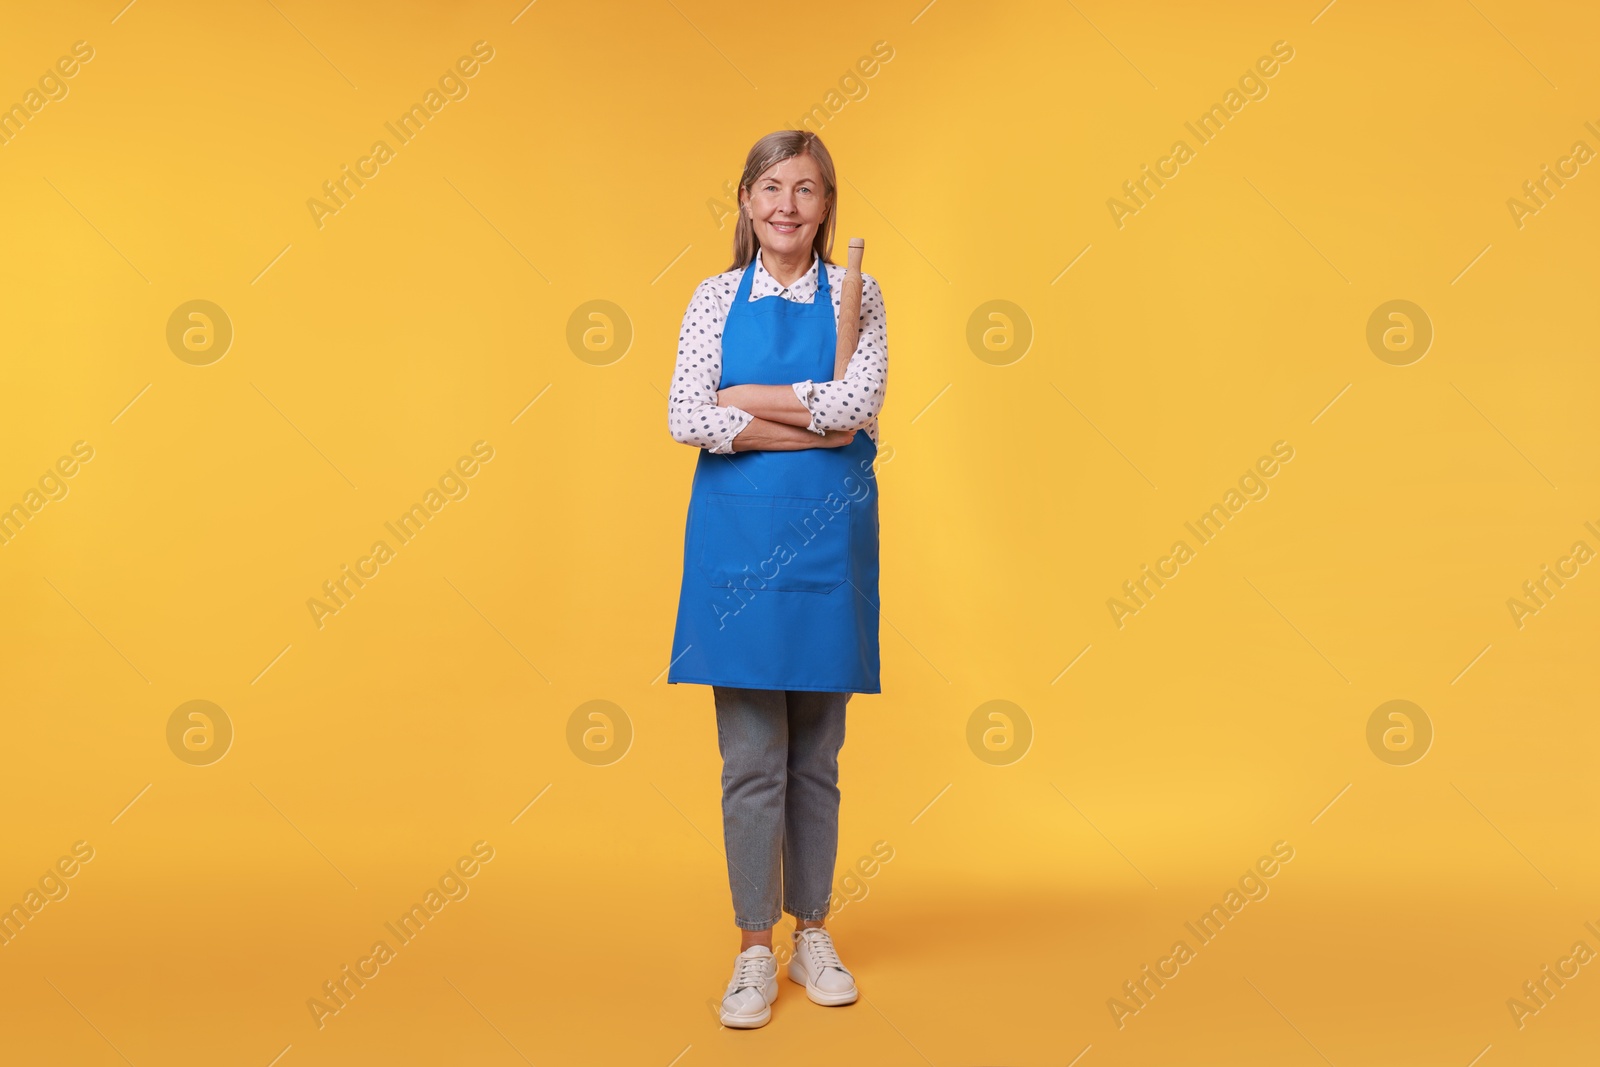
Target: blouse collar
(803, 287)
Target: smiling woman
(778, 607)
(710, 408)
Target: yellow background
(1231, 712)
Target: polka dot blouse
(849, 403)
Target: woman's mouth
(784, 227)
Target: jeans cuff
(747, 924)
(815, 915)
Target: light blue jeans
(780, 799)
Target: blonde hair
(775, 148)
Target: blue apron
(780, 548)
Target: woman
(778, 611)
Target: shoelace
(751, 972)
(818, 942)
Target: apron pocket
(736, 547)
(811, 542)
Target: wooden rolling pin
(849, 309)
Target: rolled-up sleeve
(693, 416)
(853, 401)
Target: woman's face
(786, 205)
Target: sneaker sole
(830, 1000)
(746, 1022)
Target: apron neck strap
(749, 272)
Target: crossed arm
(774, 403)
(805, 414)
(778, 436)
(779, 421)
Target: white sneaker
(748, 1001)
(816, 966)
